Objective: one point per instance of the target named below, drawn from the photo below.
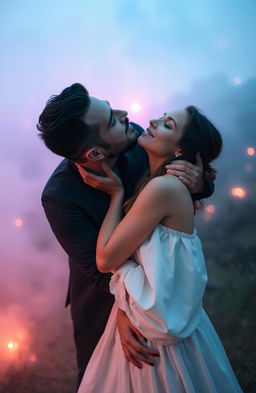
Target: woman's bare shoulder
(166, 185)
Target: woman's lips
(148, 132)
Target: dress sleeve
(162, 295)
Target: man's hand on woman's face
(189, 174)
(134, 343)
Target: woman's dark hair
(61, 127)
(199, 135)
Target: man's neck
(95, 167)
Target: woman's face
(162, 136)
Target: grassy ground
(232, 311)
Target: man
(86, 130)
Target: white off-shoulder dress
(161, 291)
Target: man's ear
(95, 154)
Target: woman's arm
(117, 239)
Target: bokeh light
(12, 346)
(208, 212)
(33, 358)
(135, 107)
(238, 192)
(210, 209)
(237, 80)
(18, 222)
(250, 151)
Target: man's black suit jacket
(75, 212)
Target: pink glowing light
(250, 151)
(210, 209)
(32, 358)
(238, 192)
(18, 222)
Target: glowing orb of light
(250, 151)
(33, 358)
(210, 209)
(135, 107)
(18, 222)
(238, 192)
(12, 346)
(237, 80)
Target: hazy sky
(141, 49)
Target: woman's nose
(153, 123)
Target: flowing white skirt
(197, 364)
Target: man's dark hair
(61, 127)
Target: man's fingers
(183, 163)
(137, 334)
(181, 168)
(141, 348)
(185, 181)
(180, 174)
(134, 361)
(131, 358)
(140, 356)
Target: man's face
(114, 127)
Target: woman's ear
(95, 154)
(178, 153)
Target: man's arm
(77, 235)
(192, 176)
(208, 190)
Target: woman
(162, 287)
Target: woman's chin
(141, 141)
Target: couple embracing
(122, 206)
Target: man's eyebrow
(111, 115)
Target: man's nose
(123, 115)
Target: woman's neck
(155, 162)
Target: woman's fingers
(107, 170)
